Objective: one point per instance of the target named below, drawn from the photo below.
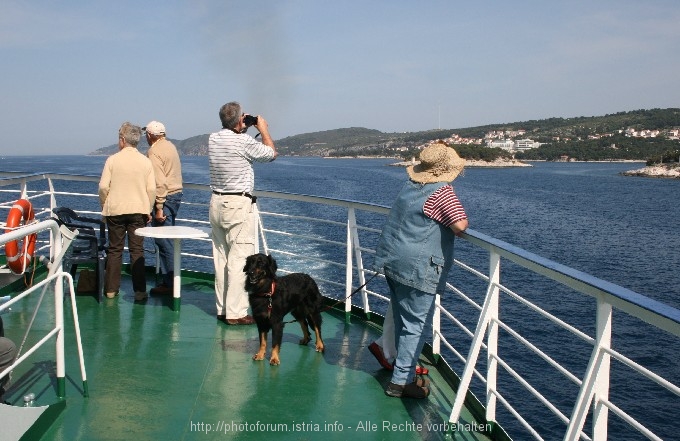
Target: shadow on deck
(154, 373)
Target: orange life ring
(20, 253)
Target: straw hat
(438, 163)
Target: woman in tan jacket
(127, 190)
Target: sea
(585, 215)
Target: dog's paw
(258, 356)
(274, 361)
(304, 341)
(319, 347)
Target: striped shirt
(230, 158)
(444, 207)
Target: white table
(177, 233)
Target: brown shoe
(160, 290)
(247, 320)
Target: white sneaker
(111, 295)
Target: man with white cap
(415, 252)
(167, 169)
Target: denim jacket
(414, 249)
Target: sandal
(422, 382)
(411, 390)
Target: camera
(250, 120)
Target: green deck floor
(158, 374)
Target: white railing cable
(532, 390)
(644, 371)
(540, 353)
(632, 421)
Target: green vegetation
(560, 137)
(610, 148)
(581, 138)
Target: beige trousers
(234, 226)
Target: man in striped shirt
(231, 153)
(415, 252)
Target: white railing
(334, 239)
(55, 279)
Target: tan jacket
(167, 168)
(127, 185)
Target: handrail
(622, 298)
(56, 276)
(593, 385)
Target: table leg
(177, 276)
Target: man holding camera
(231, 153)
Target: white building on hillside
(505, 144)
(526, 144)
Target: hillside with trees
(581, 138)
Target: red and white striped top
(444, 207)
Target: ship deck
(154, 373)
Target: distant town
(506, 139)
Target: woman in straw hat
(415, 252)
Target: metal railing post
(351, 224)
(53, 199)
(53, 205)
(475, 347)
(59, 318)
(492, 337)
(604, 333)
(356, 247)
(437, 327)
(59, 343)
(595, 380)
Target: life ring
(20, 253)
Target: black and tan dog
(271, 298)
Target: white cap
(155, 128)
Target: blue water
(584, 215)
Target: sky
(73, 72)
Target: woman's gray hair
(230, 114)
(130, 134)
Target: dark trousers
(8, 351)
(120, 226)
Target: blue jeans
(165, 246)
(412, 309)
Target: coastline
(499, 163)
(669, 171)
(474, 163)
